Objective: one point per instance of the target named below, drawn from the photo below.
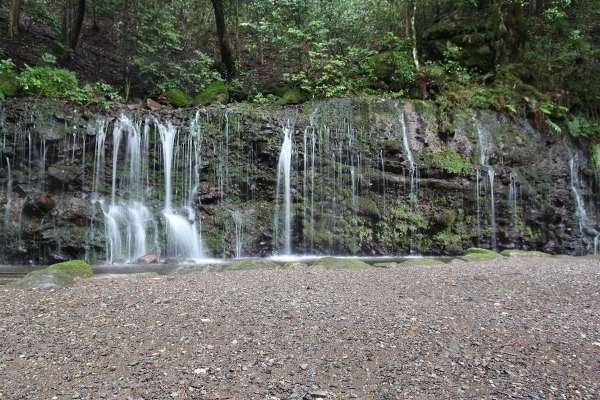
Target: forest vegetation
(538, 59)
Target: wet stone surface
(529, 330)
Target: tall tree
(226, 53)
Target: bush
(8, 79)
(48, 82)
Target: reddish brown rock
(148, 259)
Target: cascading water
(283, 231)
(582, 216)
(183, 238)
(485, 151)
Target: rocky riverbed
(524, 328)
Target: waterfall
(584, 225)
(183, 238)
(284, 173)
(485, 151)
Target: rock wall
(370, 176)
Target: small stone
(303, 366)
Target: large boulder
(215, 93)
(43, 279)
(177, 98)
(73, 268)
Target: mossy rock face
(419, 261)
(73, 268)
(177, 98)
(43, 279)
(215, 93)
(295, 265)
(477, 254)
(253, 264)
(337, 263)
(196, 269)
(523, 253)
(123, 276)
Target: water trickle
(580, 209)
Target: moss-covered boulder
(43, 279)
(415, 262)
(295, 265)
(215, 93)
(196, 269)
(253, 264)
(477, 254)
(523, 253)
(177, 98)
(291, 96)
(73, 268)
(175, 260)
(338, 263)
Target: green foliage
(402, 224)
(48, 82)
(164, 72)
(73, 268)
(8, 79)
(450, 161)
(595, 159)
(330, 75)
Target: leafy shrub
(48, 82)
(8, 79)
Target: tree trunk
(414, 37)
(77, 24)
(226, 53)
(72, 21)
(15, 12)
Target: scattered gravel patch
(520, 328)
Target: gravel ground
(524, 328)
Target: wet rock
(150, 258)
(208, 195)
(43, 279)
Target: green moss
(253, 264)
(177, 98)
(450, 161)
(335, 263)
(477, 254)
(42, 279)
(523, 253)
(293, 96)
(215, 93)
(73, 268)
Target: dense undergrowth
(354, 49)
